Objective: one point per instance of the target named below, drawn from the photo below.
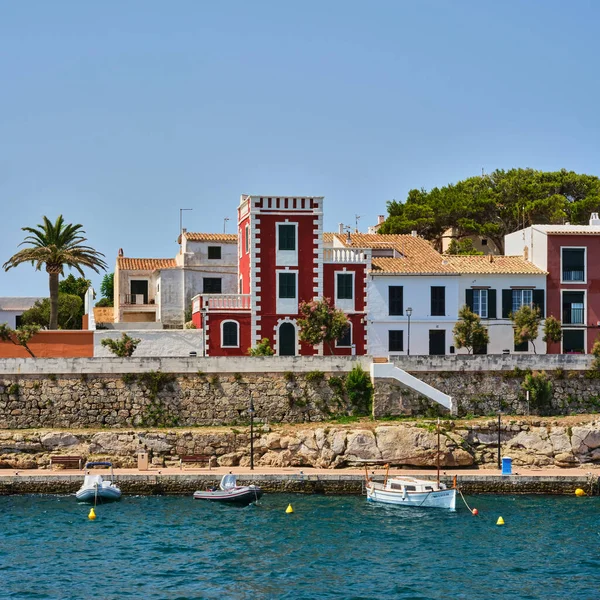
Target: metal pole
(408, 341)
(438, 453)
(251, 435)
(499, 460)
(181, 220)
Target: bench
(67, 461)
(195, 458)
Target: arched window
(230, 334)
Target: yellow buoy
(579, 492)
(500, 521)
(289, 509)
(92, 515)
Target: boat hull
(436, 499)
(241, 495)
(104, 495)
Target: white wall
(9, 316)
(417, 295)
(536, 242)
(163, 343)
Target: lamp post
(251, 411)
(408, 313)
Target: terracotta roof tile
(414, 266)
(145, 264)
(223, 238)
(510, 265)
(328, 237)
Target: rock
(58, 439)
(565, 460)
(230, 460)
(362, 445)
(535, 441)
(273, 441)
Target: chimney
(348, 238)
(183, 230)
(340, 228)
(380, 219)
(120, 251)
(413, 233)
(594, 219)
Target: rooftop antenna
(225, 223)
(356, 219)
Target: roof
(145, 264)
(223, 238)
(509, 265)
(406, 266)
(328, 237)
(18, 302)
(569, 229)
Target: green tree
(54, 246)
(496, 204)
(263, 348)
(124, 347)
(540, 390)
(75, 286)
(552, 330)
(463, 247)
(107, 289)
(360, 390)
(321, 322)
(468, 332)
(19, 336)
(70, 309)
(526, 322)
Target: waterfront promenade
(172, 481)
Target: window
(483, 242)
(287, 237)
(345, 340)
(522, 347)
(521, 297)
(396, 340)
(480, 303)
(211, 285)
(573, 341)
(214, 252)
(247, 233)
(18, 321)
(573, 304)
(395, 300)
(438, 301)
(230, 334)
(573, 264)
(344, 286)
(287, 285)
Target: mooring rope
(463, 498)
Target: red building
(283, 261)
(570, 254)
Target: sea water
(330, 547)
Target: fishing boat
(95, 488)
(409, 491)
(230, 492)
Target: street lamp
(251, 411)
(408, 313)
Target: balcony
(573, 315)
(346, 255)
(225, 301)
(134, 299)
(573, 275)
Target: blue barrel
(506, 465)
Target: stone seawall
(411, 445)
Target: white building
(160, 290)
(11, 309)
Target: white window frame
(286, 306)
(585, 338)
(238, 333)
(479, 292)
(585, 312)
(521, 290)
(351, 337)
(344, 304)
(286, 258)
(247, 238)
(585, 267)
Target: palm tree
(56, 245)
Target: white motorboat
(95, 488)
(408, 491)
(230, 492)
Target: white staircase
(390, 371)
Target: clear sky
(117, 114)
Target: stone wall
(529, 443)
(484, 393)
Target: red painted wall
(214, 334)
(592, 287)
(53, 344)
(244, 259)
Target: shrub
(360, 391)
(128, 378)
(540, 391)
(315, 376)
(289, 376)
(552, 330)
(13, 390)
(124, 347)
(263, 348)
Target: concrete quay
(174, 481)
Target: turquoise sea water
(331, 547)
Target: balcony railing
(573, 316)
(137, 299)
(226, 301)
(345, 255)
(573, 275)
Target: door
(139, 287)
(287, 340)
(437, 341)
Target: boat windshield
(228, 481)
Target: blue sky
(118, 114)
